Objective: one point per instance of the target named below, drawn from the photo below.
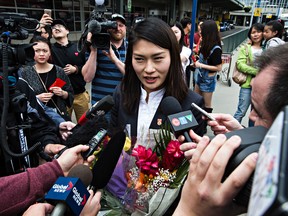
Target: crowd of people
(139, 71)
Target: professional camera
(251, 139)
(98, 25)
(13, 104)
(12, 26)
(101, 39)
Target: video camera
(98, 25)
(100, 38)
(12, 26)
(13, 104)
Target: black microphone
(99, 108)
(94, 27)
(70, 192)
(105, 165)
(181, 121)
(83, 134)
(95, 128)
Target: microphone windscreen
(82, 172)
(82, 135)
(170, 105)
(94, 27)
(105, 165)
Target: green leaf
(180, 174)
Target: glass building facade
(73, 12)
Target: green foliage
(162, 139)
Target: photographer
(211, 196)
(100, 69)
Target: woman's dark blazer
(120, 118)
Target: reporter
(204, 193)
(269, 96)
(23, 189)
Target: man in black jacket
(66, 55)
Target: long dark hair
(179, 26)
(159, 33)
(210, 37)
(275, 25)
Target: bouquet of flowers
(154, 176)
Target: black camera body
(102, 40)
(251, 139)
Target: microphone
(70, 191)
(181, 121)
(86, 135)
(83, 134)
(99, 108)
(94, 27)
(105, 165)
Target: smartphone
(203, 112)
(48, 11)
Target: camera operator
(100, 69)
(204, 193)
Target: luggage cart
(225, 72)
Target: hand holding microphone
(70, 192)
(181, 121)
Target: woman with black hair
(42, 78)
(185, 52)
(153, 71)
(247, 54)
(209, 62)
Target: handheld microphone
(94, 143)
(84, 135)
(105, 165)
(94, 27)
(181, 121)
(70, 191)
(100, 108)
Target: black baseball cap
(118, 16)
(60, 22)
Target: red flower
(173, 156)
(146, 160)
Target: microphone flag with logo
(70, 191)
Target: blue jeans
(243, 103)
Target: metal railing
(231, 42)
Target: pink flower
(173, 156)
(146, 160)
